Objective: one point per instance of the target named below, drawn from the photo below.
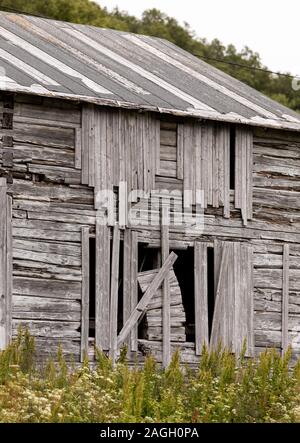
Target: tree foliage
(155, 23)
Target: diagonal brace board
(143, 303)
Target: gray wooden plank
(134, 287)
(9, 269)
(3, 269)
(166, 316)
(85, 292)
(114, 289)
(102, 311)
(201, 306)
(180, 152)
(285, 297)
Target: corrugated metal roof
(104, 66)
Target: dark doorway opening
(184, 271)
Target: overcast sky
(270, 27)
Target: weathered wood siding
(54, 155)
(50, 206)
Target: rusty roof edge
(198, 114)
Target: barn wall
(40, 155)
(49, 208)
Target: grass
(224, 388)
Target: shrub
(224, 388)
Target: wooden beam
(3, 273)
(285, 298)
(114, 289)
(219, 300)
(134, 286)
(166, 313)
(85, 298)
(9, 269)
(201, 304)
(102, 285)
(138, 312)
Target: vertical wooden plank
(114, 288)
(134, 286)
(198, 159)
(226, 171)
(85, 297)
(91, 143)
(250, 175)
(9, 269)
(78, 144)
(221, 288)
(140, 152)
(85, 145)
(215, 167)
(250, 304)
(109, 150)
(3, 268)
(285, 298)
(201, 302)
(102, 285)
(238, 169)
(238, 303)
(166, 312)
(180, 151)
(210, 127)
(127, 275)
(115, 158)
(204, 162)
(188, 162)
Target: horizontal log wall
(50, 206)
(41, 156)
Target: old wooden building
(146, 198)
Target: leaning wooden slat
(285, 298)
(114, 288)
(102, 284)
(143, 303)
(3, 275)
(201, 307)
(134, 287)
(216, 331)
(9, 269)
(85, 145)
(180, 153)
(166, 315)
(85, 238)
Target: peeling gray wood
(85, 293)
(201, 307)
(285, 298)
(113, 319)
(166, 314)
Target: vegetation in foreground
(245, 65)
(222, 389)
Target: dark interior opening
(210, 286)
(184, 271)
(232, 156)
